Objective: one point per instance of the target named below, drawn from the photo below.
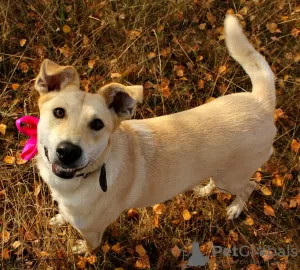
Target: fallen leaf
(278, 180)
(272, 27)
(5, 254)
(24, 67)
(5, 236)
(66, 29)
(105, 248)
(295, 146)
(92, 259)
(15, 86)
(133, 34)
(222, 69)
(158, 209)
(201, 84)
(249, 221)
(22, 42)
(116, 248)
(2, 193)
(266, 254)
(294, 202)
(211, 18)
(9, 160)
(151, 55)
(140, 250)
(19, 160)
(2, 129)
(266, 191)
(115, 75)
(268, 210)
(43, 254)
(176, 251)
(132, 213)
(65, 51)
(85, 40)
(37, 189)
(16, 244)
(91, 63)
(81, 263)
(186, 214)
(243, 11)
(143, 263)
(202, 26)
(179, 73)
(295, 32)
(234, 236)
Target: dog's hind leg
(236, 207)
(206, 190)
(58, 220)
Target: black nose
(68, 152)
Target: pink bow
(28, 126)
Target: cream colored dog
(98, 165)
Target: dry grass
(145, 41)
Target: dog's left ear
(53, 77)
(122, 99)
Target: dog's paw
(235, 209)
(80, 248)
(58, 220)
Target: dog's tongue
(62, 172)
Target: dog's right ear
(53, 77)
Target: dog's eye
(96, 124)
(59, 113)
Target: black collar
(102, 177)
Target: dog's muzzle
(63, 172)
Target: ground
(176, 49)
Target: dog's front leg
(90, 244)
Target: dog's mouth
(63, 172)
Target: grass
(176, 49)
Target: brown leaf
(268, 210)
(105, 248)
(222, 69)
(24, 67)
(158, 209)
(81, 263)
(140, 250)
(266, 255)
(211, 18)
(176, 251)
(65, 51)
(266, 191)
(234, 236)
(249, 221)
(295, 201)
(201, 84)
(116, 248)
(9, 160)
(5, 254)
(5, 236)
(272, 27)
(151, 55)
(143, 263)
(66, 29)
(133, 34)
(148, 85)
(2, 129)
(278, 180)
(85, 40)
(295, 32)
(92, 259)
(186, 214)
(22, 42)
(295, 146)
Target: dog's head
(75, 126)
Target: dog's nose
(68, 152)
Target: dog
(98, 163)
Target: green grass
(146, 41)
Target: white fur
(149, 161)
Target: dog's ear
(53, 77)
(122, 99)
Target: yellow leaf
(22, 42)
(179, 73)
(16, 244)
(23, 67)
(116, 248)
(151, 55)
(85, 40)
(243, 11)
(19, 160)
(158, 209)
(2, 129)
(143, 262)
(140, 250)
(91, 63)
(115, 75)
(278, 180)
(266, 191)
(268, 210)
(272, 27)
(186, 214)
(66, 29)
(176, 251)
(44, 254)
(222, 69)
(105, 248)
(5, 235)
(295, 146)
(92, 259)
(249, 221)
(9, 160)
(15, 86)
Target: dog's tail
(254, 64)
